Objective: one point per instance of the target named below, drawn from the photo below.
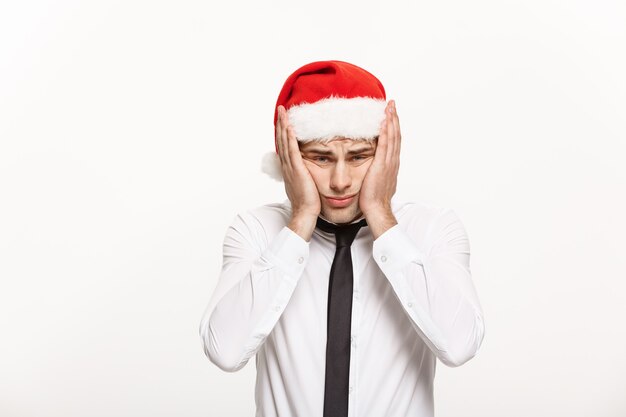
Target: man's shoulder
(426, 221)
(269, 217)
(270, 211)
(257, 226)
(416, 209)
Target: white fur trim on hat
(351, 118)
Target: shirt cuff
(289, 252)
(394, 249)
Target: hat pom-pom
(270, 165)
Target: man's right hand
(299, 185)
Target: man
(345, 296)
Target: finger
(396, 118)
(398, 132)
(399, 143)
(383, 139)
(285, 137)
(391, 134)
(281, 138)
(396, 123)
(278, 132)
(381, 145)
(294, 149)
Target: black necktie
(339, 319)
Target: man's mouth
(340, 201)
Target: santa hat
(329, 99)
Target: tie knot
(344, 234)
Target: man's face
(338, 169)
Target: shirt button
(383, 258)
(300, 260)
(410, 304)
(277, 308)
(349, 389)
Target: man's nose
(341, 178)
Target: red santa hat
(329, 99)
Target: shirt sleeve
(434, 286)
(253, 289)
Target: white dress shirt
(413, 302)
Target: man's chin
(341, 215)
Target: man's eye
(320, 159)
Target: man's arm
(435, 286)
(253, 289)
(258, 278)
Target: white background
(132, 133)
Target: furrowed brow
(318, 152)
(359, 150)
(330, 153)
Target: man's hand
(379, 184)
(299, 185)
